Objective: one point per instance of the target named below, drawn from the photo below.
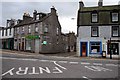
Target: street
(31, 66)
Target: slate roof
(31, 21)
(104, 15)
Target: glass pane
(114, 16)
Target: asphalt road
(32, 66)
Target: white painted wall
(8, 36)
(85, 35)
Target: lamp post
(110, 49)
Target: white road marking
(85, 63)
(97, 68)
(58, 70)
(31, 71)
(59, 65)
(63, 61)
(97, 64)
(111, 65)
(86, 78)
(45, 60)
(73, 62)
(10, 72)
(19, 59)
(22, 71)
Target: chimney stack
(53, 10)
(81, 4)
(100, 3)
(34, 14)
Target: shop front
(113, 48)
(95, 49)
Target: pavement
(67, 54)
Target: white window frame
(18, 30)
(115, 32)
(114, 16)
(29, 29)
(94, 33)
(37, 17)
(94, 17)
(36, 28)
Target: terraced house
(98, 30)
(7, 35)
(40, 33)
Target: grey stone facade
(40, 33)
(69, 42)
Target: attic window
(94, 17)
(37, 17)
(115, 17)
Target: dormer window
(94, 17)
(114, 16)
(37, 17)
(8, 24)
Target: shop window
(28, 44)
(95, 47)
(94, 32)
(115, 31)
(114, 48)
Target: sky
(66, 10)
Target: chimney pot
(100, 3)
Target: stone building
(7, 35)
(98, 30)
(40, 33)
(69, 41)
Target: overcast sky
(66, 9)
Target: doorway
(114, 48)
(83, 49)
